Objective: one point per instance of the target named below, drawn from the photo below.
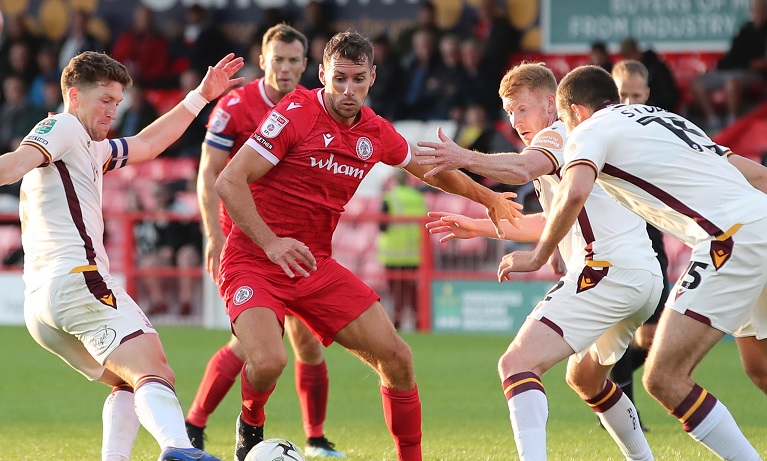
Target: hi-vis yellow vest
(400, 244)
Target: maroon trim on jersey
(606, 399)
(75, 211)
(99, 289)
(587, 231)
(553, 326)
(590, 277)
(664, 197)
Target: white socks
(120, 425)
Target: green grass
(48, 411)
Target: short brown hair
(286, 34)
(588, 86)
(349, 45)
(91, 68)
(530, 75)
(629, 67)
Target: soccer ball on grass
(275, 450)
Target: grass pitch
(48, 411)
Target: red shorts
(326, 301)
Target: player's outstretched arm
(232, 186)
(499, 206)
(573, 190)
(755, 173)
(164, 131)
(463, 227)
(14, 165)
(508, 168)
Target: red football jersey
(235, 117)
(318, 166)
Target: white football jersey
(61, 215)
(665, 169)
(604, 231)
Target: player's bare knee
(266, 367)
(512, 362)
(654, 382)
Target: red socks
(312, 388)
(402, 413)
(219, 377)
(253, 402)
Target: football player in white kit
(666, 170)
(612, 284)
(73, 307)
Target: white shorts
(730, 299)
(82, 317)
(604, 316)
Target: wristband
(194, 102)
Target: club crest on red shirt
(274, 124)
(364, 148)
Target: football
(275, 450)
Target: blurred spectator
(53, 100)
(498, 38)
(200, 44)
(188, 145)
(16, 30)
(664, 92)
(599, 56)
(449, 74)
(380, 97)
(47, 65)
(419, 75)
(271, 17)
(426, 19)
(476, 81)
(311, 76)
(399, 244)
(168, 243)
(139, 114)
(21, 61)
(143, 50)
(744, 64)
(317, 21)
(17, 116)
(78, 39)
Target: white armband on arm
(194, 102)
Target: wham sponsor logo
(337, 168)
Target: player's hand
(292, 256)
(213, 258)
(443, 156)
(454, 225)
(219, 78)
(500, 207)
(518, 261)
